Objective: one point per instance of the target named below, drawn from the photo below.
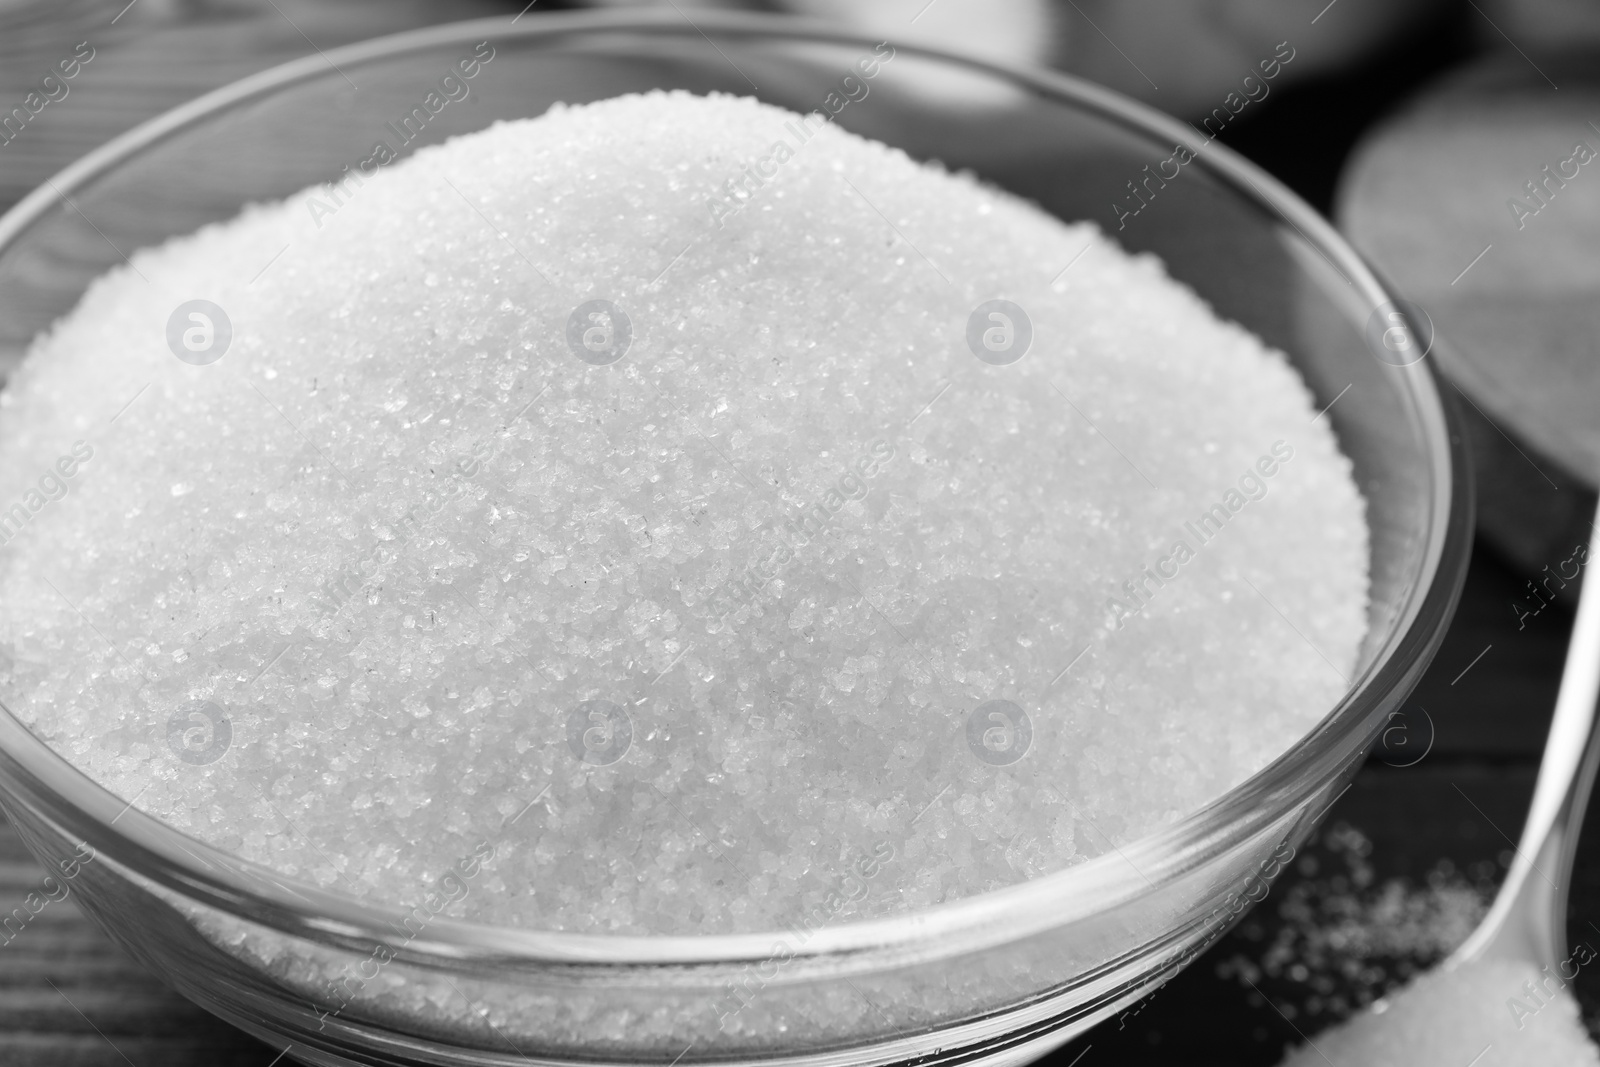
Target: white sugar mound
(1490, 1012)
(690, 641)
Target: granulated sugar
(443, 559)
(1333, 938)
(1501, 1013)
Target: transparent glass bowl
(997, 978)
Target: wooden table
(68, 996)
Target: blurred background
(1428, 129)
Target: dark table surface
(1450, 819)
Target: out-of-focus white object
(1002, 30)
(1006, 32)
(1182, 56)
(1185, 56)
(1481, 199)
(1539, 24)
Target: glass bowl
(997, 978)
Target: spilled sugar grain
(532, 532)
(1335, 937)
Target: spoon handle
(1529, 918)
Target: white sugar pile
(1497, 1013)
(690, 609)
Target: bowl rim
(79, 806)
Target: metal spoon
(1528, 919)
